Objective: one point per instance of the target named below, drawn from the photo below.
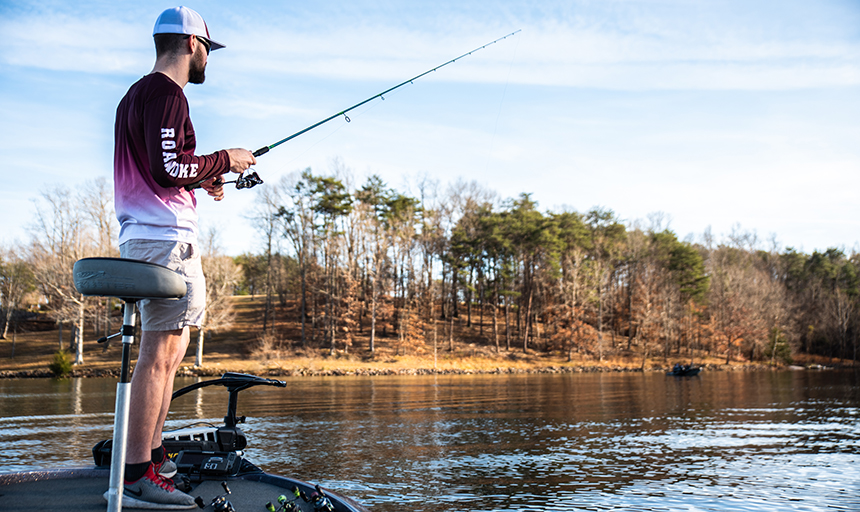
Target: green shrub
(62, 365)
(778, 347)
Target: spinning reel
(244, 181)
(250, 180)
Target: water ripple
(501, 443)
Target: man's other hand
(215, 188)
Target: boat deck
(81, 490)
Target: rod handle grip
(218, 181)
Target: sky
(715, 116)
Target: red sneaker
(155, 492)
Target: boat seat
(129, 280)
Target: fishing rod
(253, 179)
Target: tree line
(364, 261)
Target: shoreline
(206, 371)
(467, 351)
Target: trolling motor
(214, 451)
(210, 451)
(234, 382)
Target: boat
(211, 467)
(210, 460)
(684, 371)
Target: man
(153, 159)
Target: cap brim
(214, 45)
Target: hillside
(242, 348)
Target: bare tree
(222, 275)
(297, 218)
(267, 218)
(97, 203)
(16, 280)
(59, 237)
(735, 299)
(96, 199)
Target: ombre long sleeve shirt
(154, 159)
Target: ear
(191, 44)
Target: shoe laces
(164, 483)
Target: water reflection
(46, 422)
(722, 441)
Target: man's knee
(163, 345)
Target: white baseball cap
(182, 20)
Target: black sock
(158, 455)
(134, 472)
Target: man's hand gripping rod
(253, 179)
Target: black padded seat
(129, 280)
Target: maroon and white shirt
(154, 159)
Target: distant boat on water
(684, 370)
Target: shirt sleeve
(170, 144)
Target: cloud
(639, 105)
(618, 46)
(63, 42)
(668, 54)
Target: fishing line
(252, 179)
(501, 103)
(315, 144)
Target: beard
(197, 69)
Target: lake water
(607, 441)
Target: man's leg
(151, 381)
(179, 355)
(163, 342)
(161, 352)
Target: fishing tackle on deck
(320, 500)
(219, 503)
(285, 505)
(253, 180)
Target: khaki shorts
(183, 258)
